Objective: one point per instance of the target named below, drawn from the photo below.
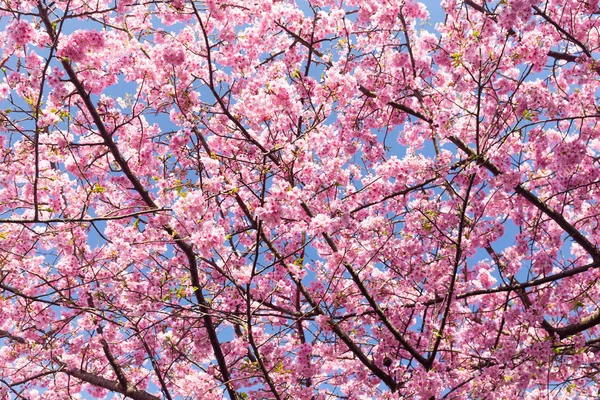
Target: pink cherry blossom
(320, 200)
(21, 32)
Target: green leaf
(528, 115)
(456, 59)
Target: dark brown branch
(304, 42)
(17, 292)
(535, 201)
(560, 29)
(251, 340)
(76, 220)
(562, 56)
(410, 111)
(114, 386)
(32, 378)
(364, 291)
(395, 194)
(457, 262)
(6, 334)
(353, 347)
(532, 283)
(554, 54)
(476, 6)
(584, 324)
(117, 369)
(155, 366)
(563, 332)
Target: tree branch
(114, 386)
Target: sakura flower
(174, 55)
(21, 32)
(4, 91)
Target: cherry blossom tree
(318, 199)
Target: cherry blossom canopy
(319, 199)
